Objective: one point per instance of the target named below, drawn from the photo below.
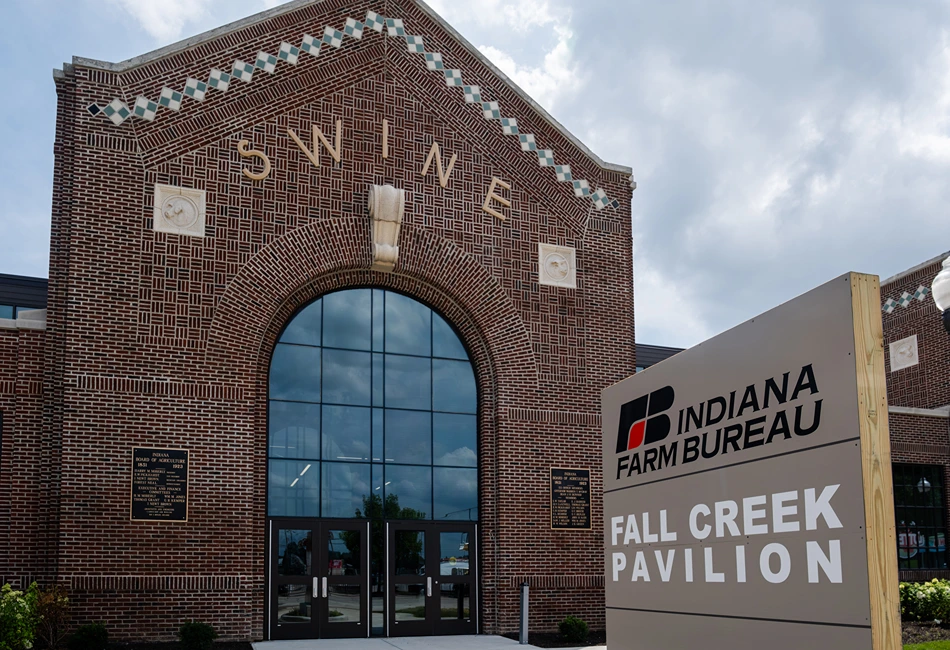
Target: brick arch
(335, 254)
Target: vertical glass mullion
(431, 422)
(323, 329)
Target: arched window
(372, 412)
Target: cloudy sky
(776, 144)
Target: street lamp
(941, 293)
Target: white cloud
(165, 20)
(517, 16)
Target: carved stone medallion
(557, 266)
(179, 210)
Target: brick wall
(164, 340)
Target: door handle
(316, 586)
(324, 587)
(429, 586)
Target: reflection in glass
(294, 430)
(410, 602)
(407, 326)
(294, 603)
(304, 329)
(408, 438)
(295, 373)
(347, 320)
(378, 436)
(293, 552)
(456, 493)
(343, 551)
(453, 553)
(410, 552)
(347, 377)
(345, 488)
(344, 603)
(293, 488)
(408, 382)
(454, 440)
(453, 387)
(378, 321)
(346, 433)
(444, 341)
(454, 601)
(412, 486)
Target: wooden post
(876, 462)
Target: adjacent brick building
(209, 199)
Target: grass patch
(933, 645)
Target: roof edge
(188, 43)
(914, 269)
(623, 169)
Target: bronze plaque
(570, 499)
(159, 484)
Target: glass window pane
(455, 601)
(408, 383)
(293, 556)
(347, 319)
(379, 303)
(445, 343)
(346, 433)
(377, 435)
(454, 439)
(6, 311)
(295, 373)
(294, 430)
(293, 488)
(408, 437)
(347, 377)
(377, 380)
(409, 602)
(408, 328)
(346, 489)
(410, 490)
(410, 553)
(294, 604)
(456, 493)
(453, 549)
(305, 326)
(453, 387)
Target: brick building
(328, 298)
(918, 393)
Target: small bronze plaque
(159, 484)
(570, 499)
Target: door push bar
(316, 586)
(429, 586)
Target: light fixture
(923, 485)
(941, 293)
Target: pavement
(474, 642)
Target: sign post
(747, 486)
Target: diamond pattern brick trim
(434, 61)
(905, 300)
(219, 80)
(288, 53)
(145, 108)
(243, 71)
(170, 99)
(196, 89)
(311, 45)
(354, 28)
(374, 21)
(414, 44)
(266, 62)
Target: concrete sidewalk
(475, 642)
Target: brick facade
(919, 394)
(164, 340)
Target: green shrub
(17, 617)
(574, 629)
(93, 636)
(196, 636)
(52, 616)
(925, 601)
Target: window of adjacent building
(372, 410)
(920, 515)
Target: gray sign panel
(733, 493)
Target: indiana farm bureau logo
(643, 421)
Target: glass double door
(319, 579)
(433, 581)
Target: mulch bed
(924, 632)
(557, 640)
